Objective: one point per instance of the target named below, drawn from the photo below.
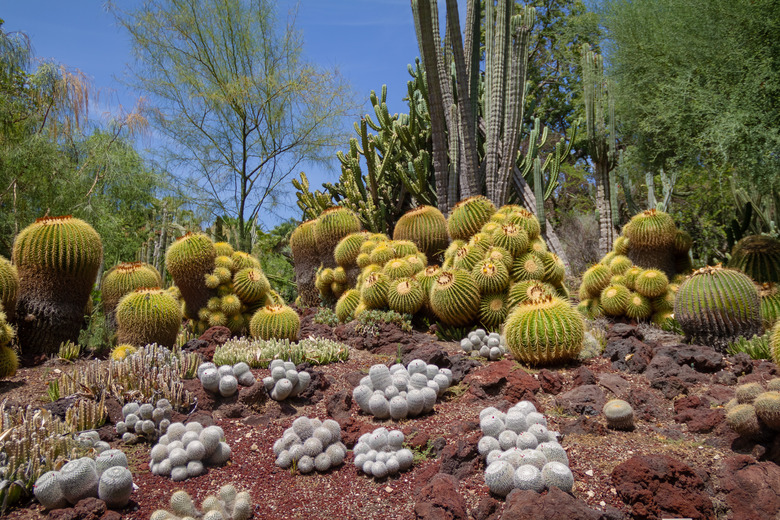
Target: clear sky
(370, 41)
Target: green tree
(239, 105)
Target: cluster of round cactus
(399, 392)
(310, 444)
(285, 381)
(144, 421)
(381, 453)
(490, 346)
(520, 452)
(651, 240)
(225, 379)
(90, 439)
(105, 477)
(755, 412)
(619, 415)
(227, 504)
(184, 450)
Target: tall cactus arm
(494, 110)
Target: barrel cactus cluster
(310, 444)
(225, 380)
(105, 477)
(285, 381)
(479, 343)
(123, 279)
(9, 361)
(227, 504)
(520, 452)
(758, 256)
(651, 240)
(144, 421)
(401, 391)
(381, 453)
(185, 450)
(755, 411)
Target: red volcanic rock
(586, 400)
(583, 376)
(487, 509)
(461, 458)
(440, 500)
(551, 382)
(696, 412)
(553, 505)
(501, 380)
(752, 489)
(658, 486)
(351, 430)
(86, 509)
(339, 404)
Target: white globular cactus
(226, 379)
(185, 450)
(310, 444)
(619, 415)
(285, 381)
(489, 346)
(115, 487)
(399, 392)
(517, 447)
(381, 453)
(144, 421)
(228, 504)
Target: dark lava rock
(671, 387)
(196, 345)
(214, 337)
(672, 379)
(319, 384)
(551, 382)
(440, 500)
(615, 384)
(752, 490)
(60, 407)
(553, 505)
(762, 372)
(461, 458)
(724, 377)
(623, 331)
(501, 380)
(339, 404)
(86, 509)
(254, 396)
(697, 413)
(645, 403)
(430, 353)
(701, 359)
(585, 400)
(353, 378)
(352, 429)
(461, 365)
(583, 376)
(487, 509)
(582, 425)
(659, 486)
(720, 394)
(628, 354)
(741, 364)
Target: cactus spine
(147, 316)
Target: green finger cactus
(57, 259)
(454, 297)
(373, 293)
(468, 216)
(716, 306)
(526, 290)
(348, 249)
(511, 237)
(189, 259)
(251, 285)
(490, 277)
(333, 224)
(638, 307)
(426, 227)
(527, 267)
(147, 316)
(758, 256)
(651, 236)
(405, 295)
(493, 309)
(614, 299)
(124, 278)
(305, 261)
(346, 305)
(9, 286)
(544, 331)
(275, 322)
(651, 283)
(595, 279)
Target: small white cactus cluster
(227, 504)
(479, 343)
(105, 477)
(184, 450)
(520, 452)
(310, 444)
(144, 421)
(285, 381)
(225, 379)
(91, 439)
(381, 453)
(399, 392)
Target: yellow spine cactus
(189, 259)
(275, 321)
(454, 297)
(9, 286)
(426, 227)
(468, 216)
(147, 316)
(405, 295)
(333, 224)
(124, 278)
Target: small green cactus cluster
(225, 379)
(184, 450)
(9, 361)
(123, 279)
(520, 452)
(758, 256)
(401, 391)
(381, 453)
(148, 315)
(651, 240)
(619, 415)
(285, 381)
(144, 421)
(755, 412)
(617, 288)
(227, 504)
(310, 444)
(715, 306)
(258, 353)
(106, 477)
(57, 259)
(479, 343)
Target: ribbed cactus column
(58, 259)
(306, 259)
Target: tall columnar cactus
(124, 278)
(758, 256)
(189, 260)
(333, 225)
(651, 240)
(306, 259)
(9, 287)
(426, 227)
(716, 306)
(58, 259)
(544, 331)
(147, 316)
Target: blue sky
(369, 41)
